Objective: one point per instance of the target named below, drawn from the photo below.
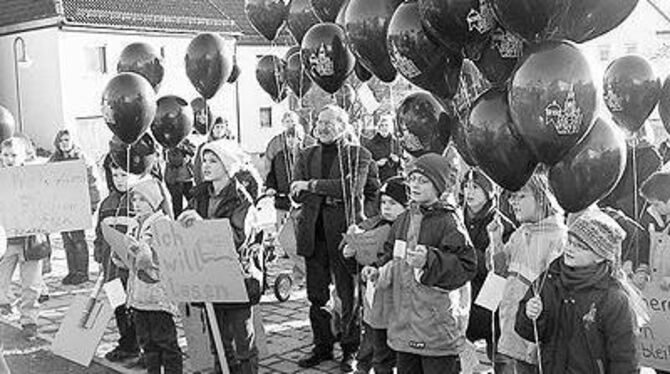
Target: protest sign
(44, 198)
(119, 242)
(654, 339)
(199, 263)
(368, 243)
(492, 291)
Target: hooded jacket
(585, 327)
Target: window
(604, 53)
(631, 48)
(95, 59)
(266, 117)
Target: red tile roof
(235, 9)
(18, 11)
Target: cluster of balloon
(325, 56)
(173, 121)
(575, 20)
(499, 56)
(497, 150)
(128, 106)
(271, 75)
(457, 23)
(208, 66)
(591, 170)
(301, 17)
(267, 16)
(296, 76)
(552, 99)
(137, 158)
(327, 10)
(366, 23)
(7, 124)
(143, 59)
(424, 125)
(631, 91)
(417, 58)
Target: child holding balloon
(530, 249)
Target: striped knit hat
(600, 233)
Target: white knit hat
(229, 152)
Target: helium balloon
(552, 99)
(296, 76)
(366, 23)
(234, 74)
(497, 150)
(456, 23)
(128, 106)
(173, 121)
(458, 137)
(327, 10)
(423, 124)
(143, 154)
(417, 58)
(7, 124)
(202, 115)
(301, 17)
(591, 170)
(664, 104)
(271, 75)
(631, 91)
(267, 16)
(326, 57)
(207, 64)
(143, 59)
(362, 73)
(499, 56)
(576, 20)
(346, 96)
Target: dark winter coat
(381, 147)
(585, 329)
(279, 179)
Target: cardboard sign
(199, 263)
(120, 243)
(78, 343)
(45, 198)
(654, 339)
(368, 244)
(491, 293)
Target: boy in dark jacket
(429, 261)
(580, 311)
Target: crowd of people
(570, 300)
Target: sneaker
(117, 355)
(6, 309)
(79, 278)
(43, 298)
(313, 359)
(347, 362)
(29, 330)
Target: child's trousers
(409, 363)
(374, 352)
(157, 334)
(31, 282)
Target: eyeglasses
(418, 178)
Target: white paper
(491, 292)
(400, 249)
(370, 292)
(115, 293)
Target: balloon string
(340, 155)
(637, 214)
(208, 123)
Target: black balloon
(472, 83)
(138, 158)
(234, 74)
(326, 57)
(173, 121)
(362, 73)
(143, 59)
(664, 104)
(499, 152)
(301, 17)
(591, 170)
(128, 106)
(552, 99)
(207, 64)
(423, 124)
(366, 23)
(327, 10)
(267, 16)
(631, 91)
(458, 137)
(577, 20)
(7, 124)
(417, 58)
(271, 75)
(456, 23)
(296, 76)
(499, 56)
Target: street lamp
(20, 57)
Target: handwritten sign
(199, 263)
(119, 242)
(654, 339)
(44, 198)
(368, 244)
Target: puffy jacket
(582, 330)
(431, 305)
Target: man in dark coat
(384, 147)
(328, 181)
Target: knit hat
(228, 152)
(396, 189)
(151, 191)
(600, 233)
(438, 169)
(481, 180)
